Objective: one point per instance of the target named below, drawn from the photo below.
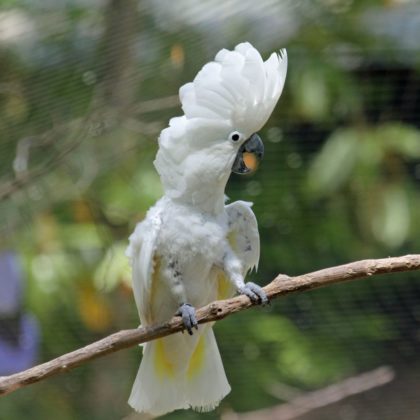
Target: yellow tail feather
(163, 365)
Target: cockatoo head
(225, 106)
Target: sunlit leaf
(333, 165)
(401, 139)
(298, 356)
(51, 270)
(81, 235)
(311, 94)
(46, 231)
(93, 308)
(113, 269)
(392, 223)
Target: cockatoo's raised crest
(238, 87)
(192, 248)
(238, 91)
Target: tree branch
(281, 285)
(310, 401)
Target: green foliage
(335, 163)
(339, 182)
(369, 163)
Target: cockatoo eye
(235, 136)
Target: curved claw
(254, 292)
(187, 313)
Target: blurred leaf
(371, 151)
(344, 90)
(94, 309)
(46, 232)
(81, 235)
(297, 356)
(52, 270)
(311, 94)
(401, 139)
(392, 223)
(15, 108)
(114, 268)
(333, 166)
(81, 211)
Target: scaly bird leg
(233, 268)
(254, 292)
(187, 313)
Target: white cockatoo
(191, 248)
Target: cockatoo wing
(142, 251)
(243, 233)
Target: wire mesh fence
(86, 87)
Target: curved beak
(253, 145)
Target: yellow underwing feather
(163, 365)
(231, 237)
(155, 278)
(224, 287)
(197, 358)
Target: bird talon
(255, 293)
(187, 312)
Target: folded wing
(142, 253)
(243, 234)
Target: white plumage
(191, 248)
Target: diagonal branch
(313, 400)
(281, 285)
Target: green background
(86, 87)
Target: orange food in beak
(250, 161)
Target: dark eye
(235, 136)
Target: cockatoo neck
(208, 198)
(199, 177)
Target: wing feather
(142, 253)
(243, 233)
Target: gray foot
(187, 313)
(254, 292)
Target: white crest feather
(238, 86)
